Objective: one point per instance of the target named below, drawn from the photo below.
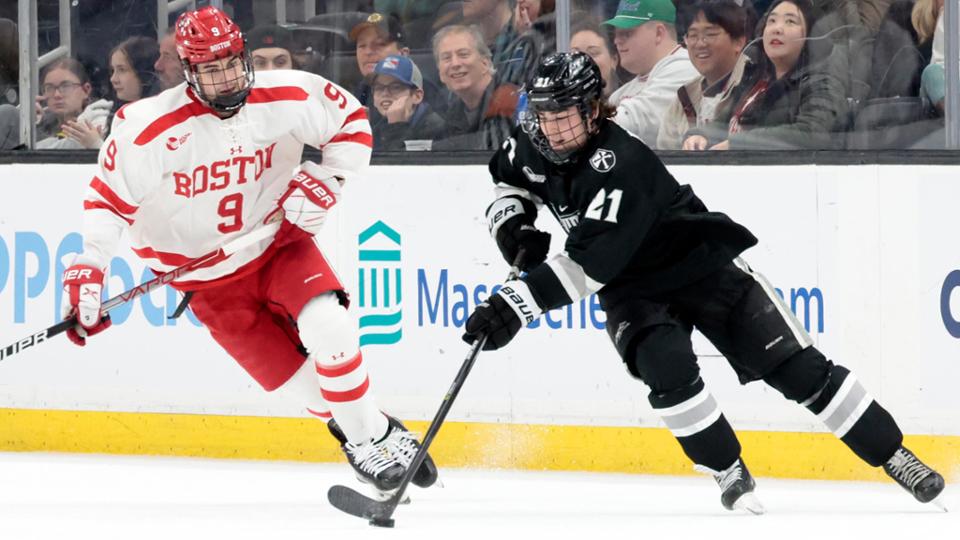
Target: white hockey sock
(330, 336)
(345, 388)
(303, 389)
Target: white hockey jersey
(183, 181)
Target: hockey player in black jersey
(662, 265)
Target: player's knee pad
(327, 331)
(802, 377)
(663, 358)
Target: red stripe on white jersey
(120, 113)
(167, 121)
(277, 93)
(359, 114)
(360, 137)
(111, 197)
(101, 205)
(325, 414)
(244, 270)
(349, 395)
(341, 369)
(166, 258)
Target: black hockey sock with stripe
(845, 407)
(694, 418)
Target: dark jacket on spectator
(803, 109)
(425, 124)
(484, 128)
(520, 58)
(898, 60)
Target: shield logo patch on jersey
(603, 160)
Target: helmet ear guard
(207, 35)
(562, 80)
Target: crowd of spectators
(696, 75)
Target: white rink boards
(865, 254)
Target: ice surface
(79, 497)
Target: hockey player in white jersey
(215, 158)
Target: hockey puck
(382, 522)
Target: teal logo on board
(379, 285)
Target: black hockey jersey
(631, 228)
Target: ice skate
(404, 445)
(914, 476)
(736, 487)
(371, 461)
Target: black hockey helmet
(561, 80)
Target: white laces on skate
(726, 477)
(908, 468)
(370, 458)
(402, 445)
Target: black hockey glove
(502, 315)
(510, 221)
(510, 239)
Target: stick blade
(350, 501)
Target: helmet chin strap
(224, 103)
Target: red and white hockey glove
(306, 203)
(83, 284)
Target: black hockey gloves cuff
(502, 315)
(510, 220)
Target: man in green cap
(646, 40)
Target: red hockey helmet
(207, 35)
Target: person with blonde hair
(927, 19)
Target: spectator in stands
(588, 37)
(480, 116)
(131, 70)
(494, 19)
(167, 67)
(9, 62)
(271, 47)
(788, 102)
(67, 119)
(898, 57)
(526, 12)
(398, 96)
(377, 37)
(535, 35)
(9, 126)
(646, 40)
(928, 20)
(715, 39)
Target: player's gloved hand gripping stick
(229, 248)
(380, 512)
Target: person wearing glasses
(790, 100)
(646, 38)
(397, 86)
(67, 119)
(715, 41)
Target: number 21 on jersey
(600, 210)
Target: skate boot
(736, 487)
(403, 445)
(911, 473)
(371, 461)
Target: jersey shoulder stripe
(196, 108)
(277, 93)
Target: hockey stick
(380, 513)
(229, 248)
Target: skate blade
(749, 502)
